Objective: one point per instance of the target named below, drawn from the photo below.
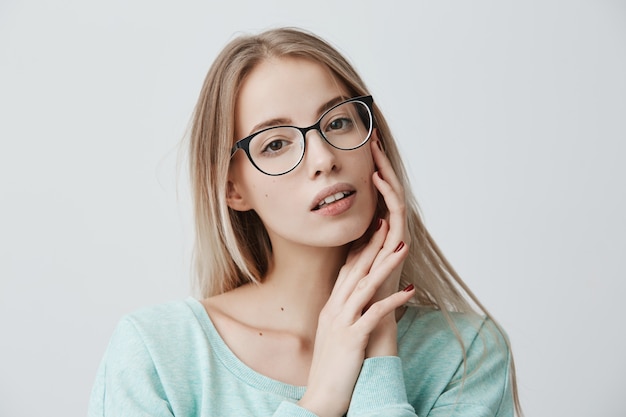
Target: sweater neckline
(234, 365)
(248, 375)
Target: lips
(332, 199)
(331, 194)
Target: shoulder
(160, 316)
(455, 360)
(450, 340)
(436, 329)
(153, 356)
(157, 330)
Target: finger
(377, 311)
(359, 263)
(379, 233)
(366, 287)
(398, 231)
(394, 198)
(388, 184)
(384, 164)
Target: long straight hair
(232, 247)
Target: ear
(235, 199)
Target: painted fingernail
(409, 288)
(400, 246)
(379, 223)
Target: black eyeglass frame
(244, 143)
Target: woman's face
(295, 91)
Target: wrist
(383, 340)
(323, 403)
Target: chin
(360, 234)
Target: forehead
(285, 88)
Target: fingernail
(379, 145)
(379, 176)
(409, 288)
(380, 223)
(400, 246)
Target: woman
(322, 292)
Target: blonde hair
(232, 247)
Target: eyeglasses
(278, 150)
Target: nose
(319, 158)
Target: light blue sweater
(169, 360)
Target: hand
(344, 330)
(383, 339)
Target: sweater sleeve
(481, 386)
(380, 390)
(127, 383)
(289, 409)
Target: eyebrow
(282, 121)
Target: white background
(511, 117)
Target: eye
(275, 142)
(340, 123)
(275, 146)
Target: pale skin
(305, 323)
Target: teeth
(332, 198)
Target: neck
(298, 284)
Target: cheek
(366, 158)
(262, 194)
(375, 196)
(365, 162)
(270, 197)
(258, 189)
